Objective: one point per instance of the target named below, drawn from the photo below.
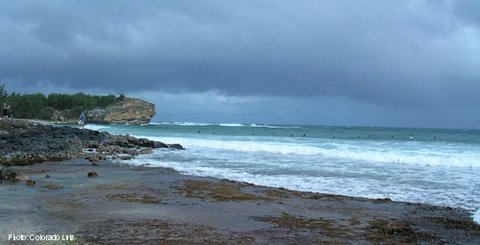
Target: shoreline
(145, 202)
(102, 201)
(41, 122)
(474, 213)
(31, 141)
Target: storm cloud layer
(421, 53)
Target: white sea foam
(187, 124)
(254, 125)
(152, 123)
(401, 153)
(194, 124)
(336, 184)
(476, 216)
(270, 126)
(231, 125)
(191, 124)
(96, 127)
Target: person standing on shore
(82, 119)
(6, 107)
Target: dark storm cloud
(423, 53)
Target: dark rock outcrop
(31, 182)
(92, 174)
(52, 187)
(13, 175)
(23, 142)
(176, 147)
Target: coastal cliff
(103, 109)
(125, 110)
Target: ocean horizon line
(240, 124)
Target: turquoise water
(435, 166)
(467, 136)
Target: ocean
(433, 166)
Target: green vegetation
(3, 93)
(39, 106)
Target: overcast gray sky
(413, 63)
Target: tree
(47, 107)
(3, 92)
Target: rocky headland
(100, 109)
(126, 110)
(82, 188)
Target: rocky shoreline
(102, 201)
(27, 142)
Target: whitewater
(433, 166)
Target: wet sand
(144, 205)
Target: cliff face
(127, 110)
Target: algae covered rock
(92, 174)
(12, 174)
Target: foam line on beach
(370, 188)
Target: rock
(145, 151)
(31, 182)
(382, 200)
(176, 147)
(26, 143)
(159, 145)
(21, 178)
(52, 186)
(12, 174)
(125, 157)
(92, 174)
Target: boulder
(12, 174)
(158, 144)
(52, 186)
(175, 147)
(126, 157)
(31, 182)
(92, 174)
